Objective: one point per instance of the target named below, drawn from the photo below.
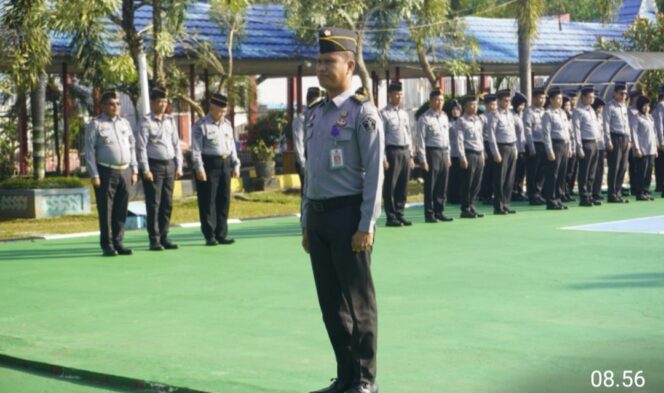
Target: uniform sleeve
(409, 135)
(606, 120)
(197, 146)
(492, 123)
(460, 139)
(371, 144)
(634, 128)
(576, 129)
(298, 138)
(528, 129)
(421, 135)
(141, 145)
(132, 150)
(177, 148)
(546, 131)
(659, 123)
(235, 160)
(304, 205)
(90, 153)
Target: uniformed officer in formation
(486, 189)
(658, 117)
(469, 130)
(632, 113)
(519, 103)
(433, 149)
(160, 161)
(598, 107)
(313, 95)
(341, 203)
(567, 187)
(215, 161)
(532, 122)
(556, 132)
(645, 148)
(503, 145)
(454, 184)
(398, 157)
(111, 162)
(616, 126)
(587, 130)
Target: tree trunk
(424, 60)
(56, 135)
(362, 68)
(132, 38)
(22, 131)
(158, 71)
(524, 64)
(38, 108)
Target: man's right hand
(609, 147)
(425, 167)
(200, 175)
(96, 183)
(551, 156)
(581, 155)
(531, 152)
(386, 165)
(147, 176)
(463, 164)
(305, 241)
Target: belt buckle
(224, 156)
(317, 206)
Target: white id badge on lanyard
(336, 158)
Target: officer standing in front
(617, 131)
(556, 135)
(111, 162)
(587, 130)
(519, 103)
(215, 161)
(341, 203)
(658, 117)
(469, 134)
(502, 142)
(313, 95)
(486, 189)
(160, 161)
(532, 124)
(398, 157)
(433, 149)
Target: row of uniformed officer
(556, 134)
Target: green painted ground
(503, 304)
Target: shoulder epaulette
(361, 98)
(315, 103)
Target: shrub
(49, 182)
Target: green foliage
(262, 152)
(264, 136)
(8, 138)
(49, 182)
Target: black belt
(326, 205)
(437, 148)
(468, 151)
(219, 157)
(507, 144)
(615, 134)
(396, 147)
(588, 141)
(161, 162)
(558, 141)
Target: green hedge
(49, 182)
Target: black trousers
(599, 174)
(572, 173)
(659, 172)
(486, 189)
(395, 185)
(112, 201)
(454, 182)
(634, 186)
(300, 173)
(556, 171)
(159, 198)
(535, 172)
(435, 182)
(214, 196)
(503, 176)
(471, 180)
(345, 291)
(617, 159)
(519, 174)
(587, 171)
(643, 173)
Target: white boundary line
(584, 227)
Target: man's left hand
(362, 241)
(236, 173)
(134, 178)
(178, 174)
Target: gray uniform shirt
(213, 139)
(109, 141)
(397, 127)
(555, 126)
(502, 129)
(298, 137)
(469, 134)
(601, 144)
(359, 135)
(433, 131)
(643, 134)
(520, 132)
(158, 140)
(658, 117)
(616, 121)
(585, 125)
(532, 126)
(454, 146)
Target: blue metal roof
(267, 38)
(631, 9)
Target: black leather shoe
(510, 210)
(169, 245)
(123, 250)
(467, 214)
(642, 198)
(405, 222)
(597, 202)
(431, 220)
(363, 387)
(554, 207)
(444, 218)
(391, 223)
(211, 242)
(536, 202)
(109, 252)
(518, 198)
(225, 240)
(585, 203)
(563, 206)
(337, 386)
(156, 247)
(478, 214)
(500, 212)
